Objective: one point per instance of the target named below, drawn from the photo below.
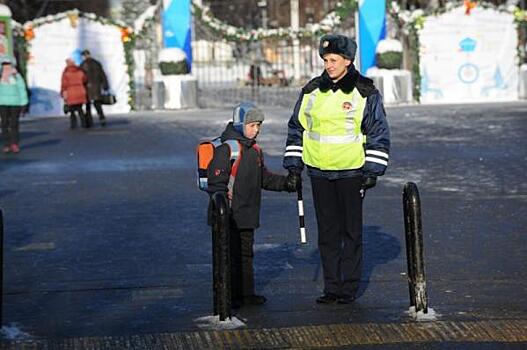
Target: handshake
(293, 182)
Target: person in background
(97, 83)
(73, 91)
(340, 132)
(13, 100)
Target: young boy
(244, 194)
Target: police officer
(339, 131)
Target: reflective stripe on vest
(332, 138)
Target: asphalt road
(105, 230)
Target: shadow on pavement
(42, 144)
(379, 248)
(9, 161)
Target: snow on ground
(420, 316)
(12, 332)
(214, 323)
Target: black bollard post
(414, 247)
(221, 256)
(1, 266)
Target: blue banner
(176, 26)
(372, 29)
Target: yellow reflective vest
(332, 137)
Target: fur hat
(337, 44)
(245, 113)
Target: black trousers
(10, 124)
(74, 111)
(242, 255)
(98, 108)
(338, 207)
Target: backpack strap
(258, 149)
(236, 156)
(235, 148)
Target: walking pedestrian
(242, 182)
(339, 131)
(97, 84)
(73, 91)
(13, 100)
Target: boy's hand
(293, 182)
(229, 195)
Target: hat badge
(325, 43)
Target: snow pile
(12, 332)
(214, 323)
(172, 54)
(389, 45)
(421, 316)
(5, 11)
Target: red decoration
(125, 34)
(29, 34)
(469, 5)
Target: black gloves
(369, 182)
(293, 182)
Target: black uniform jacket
(252, 176)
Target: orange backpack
(205, 152)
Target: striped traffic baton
(301, 214)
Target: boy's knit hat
(245, 113)
(337, 44)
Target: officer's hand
(293, 181)
(369, 182)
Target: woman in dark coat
(97, 83)
(73, 91)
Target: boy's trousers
(338, 206)
(242, 254)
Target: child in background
(13, 100)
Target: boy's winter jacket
(252, 176)
(13, 93)
(73, 87)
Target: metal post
(221, 256)
(263, 5)
(295, 25)
(414, 247)
(1, 266)
(357, 39)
